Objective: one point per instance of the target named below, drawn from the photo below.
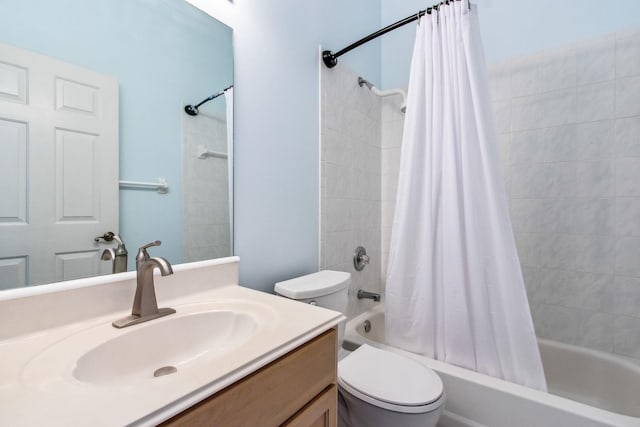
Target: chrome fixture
(368, 295)
(145, 305)
(367, 326)
(363, 82)
(118, 256)
(360, 258)
(383, 93)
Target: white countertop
(33, 393)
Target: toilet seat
(390, 381)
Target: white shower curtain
(454, 287)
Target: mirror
(78, 76)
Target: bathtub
(586, 388)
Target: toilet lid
(314, 285)
(389, 377)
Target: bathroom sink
(175, 342)
(197, 335)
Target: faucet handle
(148, 245)
(143, 255)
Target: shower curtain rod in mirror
(330, 59)
(192, 110)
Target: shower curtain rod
(330, 59)
(192, 110)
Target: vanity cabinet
(320, 412)
(297, 390)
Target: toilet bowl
(376, 387)
(381, 388)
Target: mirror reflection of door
(58, 168)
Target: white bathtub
(598, 389)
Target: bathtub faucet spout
(368, 295)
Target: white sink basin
(170, 346)
(172, 343)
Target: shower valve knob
(360, 258)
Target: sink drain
(165, 370)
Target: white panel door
(58, 168)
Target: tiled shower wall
(206, 192)
(350, 180)
(569, 130)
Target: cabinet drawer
(271, 395)
(320, 412)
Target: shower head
(363, 82)
(191, 110)
(378, 92)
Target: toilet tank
(328, 289)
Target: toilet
(377, 388)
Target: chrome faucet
(117, 256)
(368, 295)
(145, 304)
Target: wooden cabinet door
(275, 394)
(320, 412)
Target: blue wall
(165, 54)
(510, 28)
(277, 126)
